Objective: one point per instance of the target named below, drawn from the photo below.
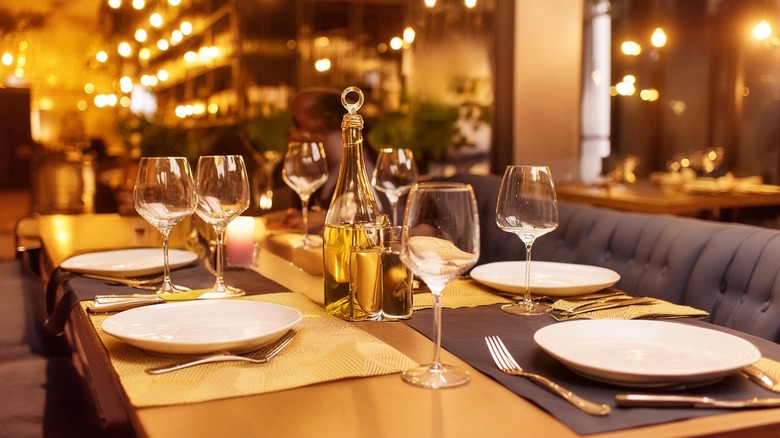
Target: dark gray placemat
(463, 333)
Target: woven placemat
(325, 348)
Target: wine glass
(527, 206)
(223, 193)
(394, 174)
(305, 169)
(440, 241)
(164, 195)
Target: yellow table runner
(460, 292)
(325, 348)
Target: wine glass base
(434, 377)
(523, 308)
(222, 292)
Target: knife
(611, 304)
(690, 401)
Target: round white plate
(642, 353)
(197, 327)
(547, 278)
(133, 262)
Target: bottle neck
(353, 200)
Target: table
(376, 406)
(645, 197)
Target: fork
(507, 364)
(265, 354)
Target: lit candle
(240, 241)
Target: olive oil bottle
(353, 204)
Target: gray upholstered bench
(730, 270)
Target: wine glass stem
(393, 205)
(436, 363)
(220, 259)
(527, 292)
(305, 215)
(167, 285)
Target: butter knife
(690, 401)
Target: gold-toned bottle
(353, 204)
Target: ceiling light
(156, 20)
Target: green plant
(156, 139)
(268, 128)
(427, 128)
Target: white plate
(646, 353)
(134, 262)
(547, 278)
(197, 327)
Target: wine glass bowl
(440, 241)
(394, 174)
(164, 195)
(305, 169)
(223, 194)
(527, 207)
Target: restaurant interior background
(90, 85)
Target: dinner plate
(639, 353)
(133, 262)
(547, 278)
(198, 327)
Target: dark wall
(15, 138)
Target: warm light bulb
(162, 75)
(186, 27)
(762, 31)
(89, 88)
(409, 35)
(163, 45)
(156, 20)
(114, 4)
(140, 35)
(139, 4)
(322, 65)
(7, 59)
(396, 43)
(101, 56)
(430, 3)
(658, 39)
(176, 36)
(126, 84)
(630, 48)
(144, 53)
(174, 2)
(190, 56)
(470, 3)
(124, 49)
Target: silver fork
(264, 355)
(507, 364)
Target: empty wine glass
(440, 241)
(164, 195)
(527, 206)
(305, 169)
(223, 193)
(394, 174)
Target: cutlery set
(507, 364)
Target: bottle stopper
(352, 119)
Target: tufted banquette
(730, 270)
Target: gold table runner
(460, 293)
(325, 348)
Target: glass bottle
(353, 204)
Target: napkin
(324, 349)
(769, 367)
(659, 310)
(460, 292)
(284, 246)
